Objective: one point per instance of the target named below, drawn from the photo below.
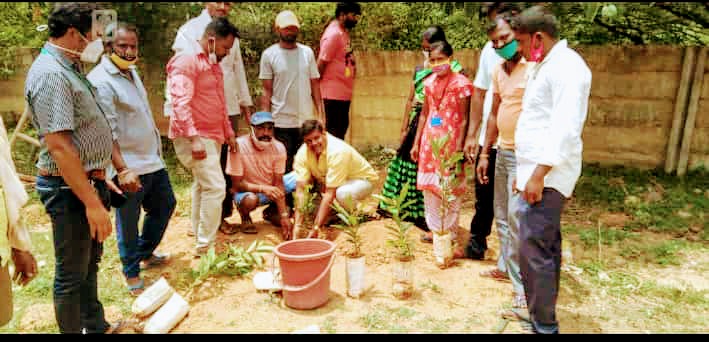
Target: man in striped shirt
(76, 148)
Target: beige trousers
(208, 189)
(353, 191)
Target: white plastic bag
(152, 298)
(167, 316)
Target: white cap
(285, 19)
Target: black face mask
(289, 38)
(350, 24)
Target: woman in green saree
(402, 170)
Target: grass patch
(378, 156)
(665, 253)
(328, 325)
(431, 286)
(403, 320)
(656, 201)
(609, 236)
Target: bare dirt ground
(452, 300)
(456, 299)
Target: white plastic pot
(355, 276)
(167, 316)
(443, 249)
(152, 298)
(403, 282)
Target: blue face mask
(508, 51)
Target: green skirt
(399, 173)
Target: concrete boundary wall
(633, 94)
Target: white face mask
(260, 145)
(92, 52)
(212, 53)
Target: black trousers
(337, 114)
(540, 257)
(290, 137)
(481, 225)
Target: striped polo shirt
(62, 99)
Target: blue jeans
(158, 201)
(540, 257)
(507, 224)
(77, 255)
(289, 182)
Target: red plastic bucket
(305, 271)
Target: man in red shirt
(200, 125)
(336, 65)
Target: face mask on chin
(260, 145)
(122, 63)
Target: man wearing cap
(336, 64)
(236, 89)
(290, 81)
(257, 174)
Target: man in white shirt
(291, 89)
(236, 89)
(548, 148)
(481, 104)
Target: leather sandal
(137, 289)
(496, 275)
(427, 237)
(248, 228)
(227, 228)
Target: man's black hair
(347, 7)
(309, 126)
(111, 31)
(536, 19)
(498, 7)
(70, 14)
(222, 28)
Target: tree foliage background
(383, 26)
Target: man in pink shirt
(200, 125)
(336, 65)
(257, 175)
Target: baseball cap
(259, 118)
(285, 19)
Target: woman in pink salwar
(445, 112)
